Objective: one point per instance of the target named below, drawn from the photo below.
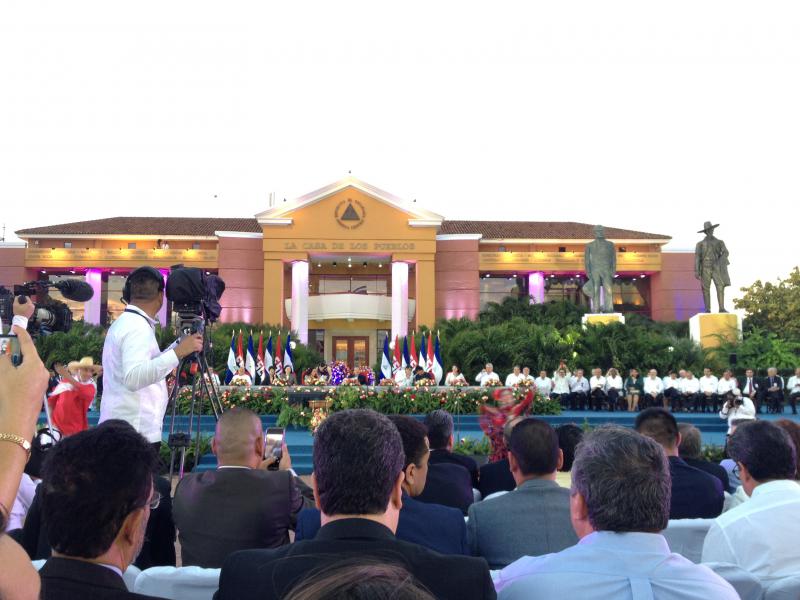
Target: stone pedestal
(708, 329)
(602, 318)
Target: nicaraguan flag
(413, 352)
(398, 358)
(438, 369)
(386, 364)
(406, 359)
(231, 365)
(287, 353)
(423, 355)
(268, 355)
(261, 370)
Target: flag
(398, 359)
(386, 365)
(268, 355)
(287, 356)
(406, 359)
(429, 354)
(249, 358)
(438, 369)
(261, 369)
(231, 366)
(239, 352)
(413, 352)
(277, 361)
(423, 354)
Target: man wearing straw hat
(71, 398)
(711, 264)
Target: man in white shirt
(544, 385)
(526, 378)
(727, 384)
(793, 387)
(708, 391)
(488, 376)
(134, 386)
(561, 387)
(578, 391)
(404, 377)
(597, 390)
(690, 392)
(672, 390)
(513, 378)
(653, 390)
(736, 408)
(760, 535)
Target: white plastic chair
(787, 588)
(686, 536)
(747, 585)
(183, 583)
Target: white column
(399, 299)
(300, 299)
(162, 315)
(536, 287)
(92, 308)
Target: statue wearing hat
(600, 264)
(711, 264)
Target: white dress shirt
(760, 535)
(614, 382)
(453, 379)
(597, 383)
(690, 386)
(793, 385)
(708, 385)
(544, 385)
(578, 384)
(747, 410)
(526, 379)
(134, 372)
(728, 385)
(485, 378)
(512, 379)
(670, 383)
(749, 386)
(653, 386)
(22, 502)
(561, 384)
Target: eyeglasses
(155, 500)
(736, 470)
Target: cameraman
(135, 368)
(736, 408)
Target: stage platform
(301, 441)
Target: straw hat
(87, 362)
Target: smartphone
(273, 445)
(9, 344)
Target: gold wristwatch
(18, 440)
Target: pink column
(92, 309)
(399, 299)
(300, 299)
(162, 316)
(536, 287)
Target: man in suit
(751, 387)
(357, 483)
(440, 436)
(97, 494)
(496, 476)
(241, 504)
(448, 484)
(690, 450)
(440, 528)
(773, 384)
(534, 518)
(695, 494)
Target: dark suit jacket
(266, 574)
(439, 528)
(769, 382)
(712, 469)
(496, 477)
(450, 485)
(219, 512)
(695, 494)
(67, 579)
(757, 383)
(445, 456)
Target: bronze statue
(600, 264)
(711, 264)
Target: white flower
(293, 345)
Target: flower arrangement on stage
(493, 383)
(387, 382)
(369, 374)
(317, 417)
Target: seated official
(653, 389)
(440, 436)
(695, 494)
(440, 528)
(514, 377)
(423, 376)
(760, 535)
(357, 482)
(487, 376)
(544, 385)
(793, 388)
(534, 518)
(751, 388)
(708, 398)
(455, 377)
(690, 392)
(597, 390)
(672, 390)
(578, 391)
(241, 504)
(404, 377)
(560, 389)
(634, 390)
(614, 387)
(97, 493)
(691, 452)
(619, 505)
(773, 391)
(496, 476)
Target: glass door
(352, 350)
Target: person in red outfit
(71, 398)
(494, 418)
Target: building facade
(349, 264)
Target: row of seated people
(367, 501)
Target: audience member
(97, 494)
(793, 387)
(440, 436)
(793, 429)
(760, 535)
(448, 484)
(357, 482)
(534, 518)
(691, 451)
(569, 436)
(440, 528)
(619, 505)
(496, 476)
(695, 494)
(241, 504)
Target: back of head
(658, 424)
(691, 441)
(145, 285)
(765, 449)
(91, 482)
(534, 444)
(413, 434)
(440, 428)
(793, 429)
(235, 436)
(569, 436)
(625, 480)
(358, 455)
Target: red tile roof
(561, 230)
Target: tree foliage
(773, 307)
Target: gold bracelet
(18, 440)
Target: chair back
(747, 585)
(181, 583)
(686, 536)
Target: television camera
(49, 315)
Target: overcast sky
(650, 116)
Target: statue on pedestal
(600, 264)
(711, 264)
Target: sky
(644, 115)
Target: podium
(710, 329)
(602, 319)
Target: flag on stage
(398, 359)
(230, 371)
(277, 361)
(413, 352)
(423, 354)
(406, 359)
(438, 368)
(429, 354)
(249, 358)
(239, 352)
(287, 354)
(268, 355)
(261, 369)
(386, 365)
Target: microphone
(74, 289)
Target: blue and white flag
(287, 354)
(423, 354)
(406, 359)
(386, 362)
(230, 371)
(438, 369)
(250, 358)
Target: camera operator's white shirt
(746, 411)
(134, 372)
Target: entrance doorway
(352, 350)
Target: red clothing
(494, 418)
(68, 409)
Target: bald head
(239, 438)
